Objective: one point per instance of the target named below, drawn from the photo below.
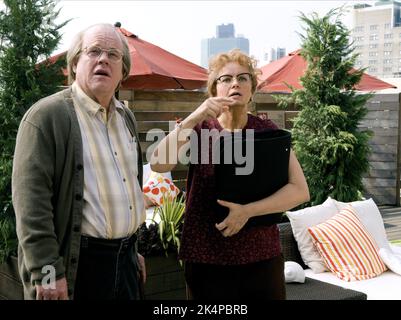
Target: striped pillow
(347, 248)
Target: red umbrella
(290, 68)
(155, 68)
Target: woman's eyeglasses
(228, 79)
(95, 52)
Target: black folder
(270, 170)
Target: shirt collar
(91, 106)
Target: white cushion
(371, 218)
(293, 272)
(391, 260)
(395, 248)
(147, 171)
(158, 187)
(384, 287)
(301, 220)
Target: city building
(275, 54)
(225, 40)
(377, 38)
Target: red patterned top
(201, 242)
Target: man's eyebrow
(231, 75)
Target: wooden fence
(159, 109)
(382, 183)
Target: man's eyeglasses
(228, 79)
(95, 52)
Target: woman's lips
(235, 94)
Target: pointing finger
(224, 203)
(225, 100)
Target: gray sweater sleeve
(32, 190)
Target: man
(77, 178)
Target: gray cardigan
(47, 189)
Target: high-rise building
(225, 31)
(275, 54)
(376, 35)
(224, 41)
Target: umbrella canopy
(155, 68)
(290, 68)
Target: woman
(225, 260)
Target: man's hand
(142, 268)
(235, 220)
(59, 292)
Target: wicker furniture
(311, 289)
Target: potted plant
(159, 242)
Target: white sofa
(386, 286)
(301, 249)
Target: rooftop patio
(158, 109)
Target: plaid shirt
(113, 202)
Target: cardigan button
(78, 197)
(73, 260)
(80, 167)
(77, 228)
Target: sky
(179, 26)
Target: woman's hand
(211, 108)
(166, 154)
(236, 219)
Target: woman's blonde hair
(220, 60)
(76, 49)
